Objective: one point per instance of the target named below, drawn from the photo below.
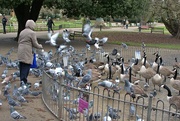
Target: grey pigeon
(21, 99)
(35, 93)
(86, 79)
(153, 93)
(16, 115)
(132, 109)
(72, 110)
(109, 85)
(124, 45)
(114, 52)
(12, 102)
(128, 88)
(15, 91)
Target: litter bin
(60, 26)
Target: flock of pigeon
(81, 70)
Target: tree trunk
(24, 12)
(35, 9)
(171, 26)
(22, 15)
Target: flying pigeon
(66, 34)
(124, 45)
(87, 31)
(16, 115)
(102, 41)
(53, 39)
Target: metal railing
(57, 102)
(59, 96)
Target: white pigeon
(66, 34)
(53, 39)
(102, 41)
(61, 47)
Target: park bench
(155, 29)
(75, 34)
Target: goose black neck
(169, 91)
(175, 74)
(156, 59)
(122, 59)
(160, 60)
(136, 62)
(175, 59)
(144, 61)
(157, 71)
(108, 59)
(122, 69)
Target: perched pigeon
(16, 115)
(53, 39)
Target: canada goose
(136, 67)
(146, 73)
(147, 65)
(176, 63)
(173, 100)
(157, 79)
(175, 83)
(164, 70)
(135, 80)
(155, 64)
(137, 88)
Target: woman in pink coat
(27, 41)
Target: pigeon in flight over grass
(124, 45)
(53, 39)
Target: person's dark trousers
(4, 28)
(50, 29)
(24, 71)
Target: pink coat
(27, 40)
